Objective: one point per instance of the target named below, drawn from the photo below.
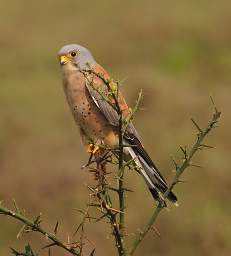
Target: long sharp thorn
(206, 146)
(156, 231)
(16, 206)
(214, 105)
(181, 181)
(101, 217)
(92, 252)
(174, 162)
(128, 190)
(183, 150)
(195, 165)
(56, 228)
(21, 231)
(77, 229)
(49, 245)
(197, 126)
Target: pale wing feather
(149, 171)
(107, 110)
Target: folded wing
(149, 171)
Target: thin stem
(35, 227)
(121, 190)
(116, 233)
(108, 212)
(121, 177)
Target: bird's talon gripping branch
(92, 148)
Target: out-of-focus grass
(178, 52)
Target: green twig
(37, 228)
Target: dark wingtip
(154, 193)
(172, 197)
(157, 197)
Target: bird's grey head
(76, 55)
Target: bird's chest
(86, 113)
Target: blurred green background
(179, 53)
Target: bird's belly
(93, 123)
(96, 127)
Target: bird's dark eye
(73, 54)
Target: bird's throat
(69, 68)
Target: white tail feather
(138, 163)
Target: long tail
(156, 183)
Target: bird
(83, 84)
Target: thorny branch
(180, 168)
(113, 93)
(35, 226)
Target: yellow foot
(92, 148)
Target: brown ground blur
(179, 53)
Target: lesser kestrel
(96, 118)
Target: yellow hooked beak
(64, 60)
